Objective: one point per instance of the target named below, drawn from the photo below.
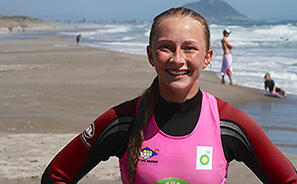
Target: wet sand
(52, 89)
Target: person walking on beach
(269, 83)
(78, 37)
(174, 132)
(227, 67)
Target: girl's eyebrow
(164, 40)
(192, 41)
(186, 41)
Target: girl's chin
(179, 85)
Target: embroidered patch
(148, 153)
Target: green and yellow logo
(172, 180)
(204, 159)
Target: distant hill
(220, 12)
(22, 21)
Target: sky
(136, 9)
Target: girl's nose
(177, 57)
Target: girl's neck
(178, 119)
(178, 96)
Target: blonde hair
(150, 95)
(181, 12)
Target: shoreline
(52, 90)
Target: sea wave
(257, 49)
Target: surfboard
(274, 95)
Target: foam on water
(258, 49)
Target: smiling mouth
(178, 72)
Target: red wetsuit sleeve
(68, 163)
(277, 168)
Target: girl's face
(178, 54)
(267, 77)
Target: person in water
(78, 39)
(269, 84)
(174, 132)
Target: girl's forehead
(186, 25)
(179, 21)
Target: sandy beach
(51, 90)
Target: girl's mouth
(178, 72)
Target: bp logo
(204, 160)
(172, 180)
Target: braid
(146, 105)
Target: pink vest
(194, 158)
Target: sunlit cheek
(163, 57)
(196, 60)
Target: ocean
(258, 49)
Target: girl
(269, 83)
(174, 132)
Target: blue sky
(139, 9)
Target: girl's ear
(207, 58)
(150, 55)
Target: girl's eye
(190, 48)
(165, 48)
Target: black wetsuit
(242, 140)
(270, 85)
(78, 38)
